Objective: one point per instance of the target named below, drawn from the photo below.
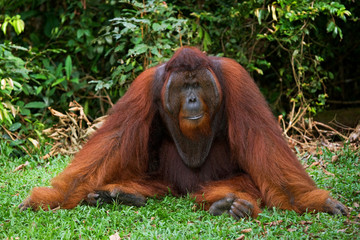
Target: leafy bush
(145, 35)
(34, 79)
(282, 43)
(90, 51)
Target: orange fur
(241, 186)
(110, 150)
(133, 153)
(195, 129)
(262, 152)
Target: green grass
(170, 217)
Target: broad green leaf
(138, 49)
(129, 68)
(15, 127)
(129, 25)
(68, 67)
(38, 76)
(99, 49)
(4, 116)
(58, 72)
(207, 40)
(35, 105)
(123, 79)
(60, 80)
(340, 33)
(25, 112)
(119, 48)
(18, 25)
(3, 27)
(330, 27)
(74, 80)
(200, 33)
(70, 93)
(38, 90)
(335, 32)
(87, 33)
(259, 71)
(155, 51)
(109, 39)
(295, 53)
(156, 27)
(79, 33)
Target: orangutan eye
(191, 85)
(186, 86)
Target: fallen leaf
(328, 173)
(305, 222)
(355, 134)
(334, 158)
(56, 113)
(246, 230)
(314, 164)
(115, 236)
(21, 166)
(274, 223)
(242, 236)
(258, 222)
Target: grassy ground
(170, 217)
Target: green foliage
(13, 75)
(16, 22)
(20, 81)
(90, 51)
(279, 42)
(292, 31)
(144, 36)
(34, 78)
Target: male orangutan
(197, 125)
